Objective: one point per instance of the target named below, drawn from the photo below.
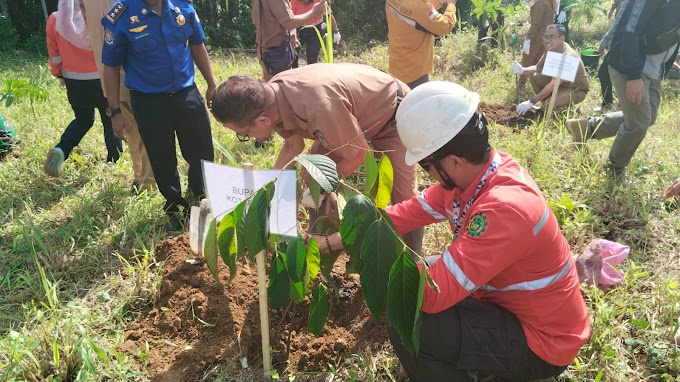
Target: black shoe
(618, 174)
(178, 221)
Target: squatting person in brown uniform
(340, 106)
(568, 92)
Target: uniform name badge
(180, 20)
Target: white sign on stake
(561, 65)
(227, 186)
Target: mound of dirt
(196, 323)
(507, 116)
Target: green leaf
(327, 262)
(296, 258)
(210, 249)
(226, 242)
(385, 182)
(378, 252)
(402, 298)
(319, 307)
(314, 191)
(322, 169)
(257, 221)
(240, 218)
(313, 264)
(371, 168)
(359, 214)
(418, 320)
(279, 282)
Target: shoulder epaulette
(114, 13)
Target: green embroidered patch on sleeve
(477, 225)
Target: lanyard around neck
(458, 217)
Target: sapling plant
(391, 281)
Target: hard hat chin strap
(446, 179)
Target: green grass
(76, 261)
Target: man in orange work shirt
(411, 27)
(340, 106)
(509, 303)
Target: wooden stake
(262, 289)
(558, 80)
(551, 105)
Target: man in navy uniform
(157, 43)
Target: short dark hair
(238, 100)
(561, 30)
(471, 143)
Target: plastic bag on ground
(597, 264)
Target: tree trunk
(4, 10)
(234, 9)
(213, 12)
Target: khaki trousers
(141, 167)
(565, 95)
(629, 125)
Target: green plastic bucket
(590, 58)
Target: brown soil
(507, 116)
(196, 323)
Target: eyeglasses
(550, 37)
(245, 137)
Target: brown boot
(579, 129)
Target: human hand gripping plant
(327, 45)
(391, 280)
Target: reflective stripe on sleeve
(56, 59)
(428, 208)
(80, 76)
(457, 273)
(541, 223)
(532, 285)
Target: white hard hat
(431, 115)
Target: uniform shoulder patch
(115, 12)
(477, 225)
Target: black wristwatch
(111, 111)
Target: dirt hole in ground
(506, 115)
(196, 324)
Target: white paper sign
(561, 65)
(227, 186)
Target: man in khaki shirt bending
(568, 92)
(341, 107)
(94, 10)
(275, 24)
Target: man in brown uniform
(541, 14)
(340, 106)
(568, 92)
(275, 24)
(94, 10)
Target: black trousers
(605, 83)
(470, 340)
(161, 116)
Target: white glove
(336, 37)
(562, 17)
(523, 107)
(517, 68)
(308, 201)
(526, 46)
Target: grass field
(76, 260)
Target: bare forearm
(112, 84)
(299, 20)
(202, 60)
(292, 147)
